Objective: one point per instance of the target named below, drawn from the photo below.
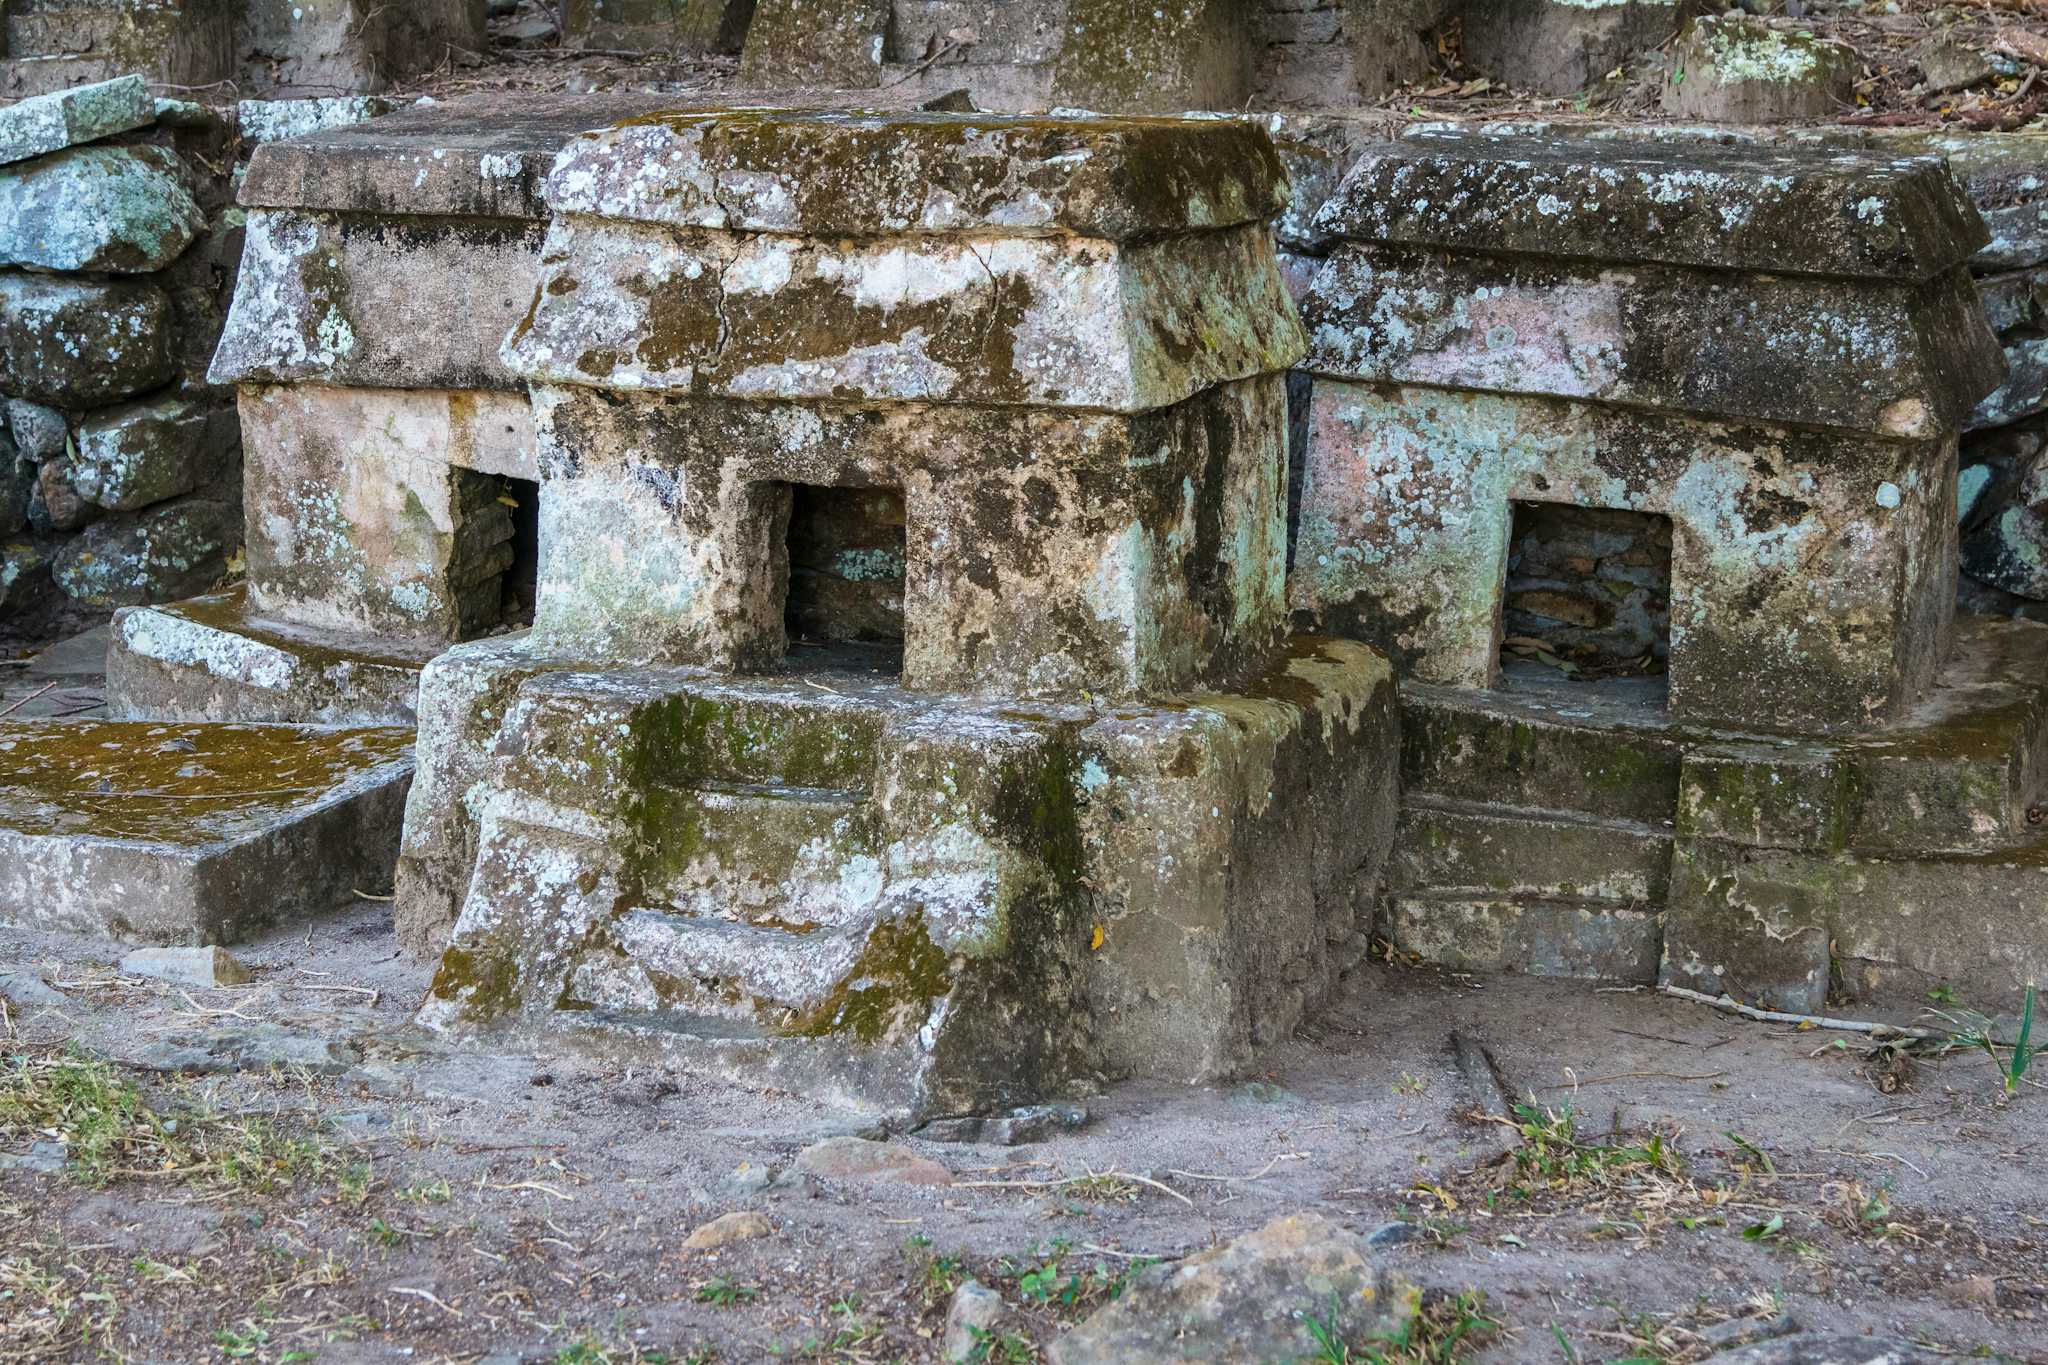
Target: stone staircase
(1572, 829)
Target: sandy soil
(533, 1204)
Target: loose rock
(86, 113)
(175, 550)
(74, 343)
(1740, 69)
(851, 1158)
(121, 209)
(1248, 1301)
(27, 988)
(38, 431)
(56, 504)
(975, 1315)
(733, 1227)
(1820, 1348)
(142, 453)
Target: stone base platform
(192, 834)
(904, 902)
(1572, 829)
(214, 658)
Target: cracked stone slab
(50, 123)
(192, 834)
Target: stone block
(17, 487)
(78, 343)
(2015, 301)
(171, 550)
(39, 432)
(212, 658)
(2024, 393)
(66, 118)
(1585, 939)
(25, 583)
(918, 882)
(147, 452)
(261, 121)
(191, 834)
(56, 504)
(1406, 524)
(1752, 923)
(125, 210)
(1542, 746)
(360, 521)
(1740, 68)
(1164, 58)
(1678, 203)
(832, 44)
(389, 301)
(1086, 593)
(316, 47)
(1495, 853)
(1560, 47)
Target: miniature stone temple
(909, 712)
(1773, 350)
(389, 454)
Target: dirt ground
(352, 1190)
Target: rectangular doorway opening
(847, 557)
(522, 580)
(1588, 596)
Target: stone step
(1956, 773)
(215, 658)
(53, 46)
(1461, 849)
(739, 970)
(193, 833)
(792, 859)
(1591, 940)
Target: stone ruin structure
(1064, 796)
(924, 607)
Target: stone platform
(217, 658)
(192, 834)
(1576, 829)
(825, 881)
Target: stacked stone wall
(120, 468)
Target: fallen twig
(1238, 1179)
(1111, 1174)
(430, 1298)
(1730, 1005)
(1638, 1076)
(20, 702)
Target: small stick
(1638, 1076)
(1731, 1006)
(368, 897)
(20, 702)
(1234, 1179)
(423, 1294)
(353, 990)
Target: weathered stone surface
(212, 658)
(1488, 853)
(889, 823)
(316, 47)
(24, 575)
(1174, 55)
(260, 121)
(121, 209)
(2014, 301)
(1029, 321)
(683, 27)
(172, 550)
(1797, 212)
(1739, 68)
(38, 432)
(1586, 940)
(1792, 350)
(86, 113)
(56, 504)
(1000, 53)
(371, 511)
(477, 157)
(852, 1158)
(1326, 52)
(914, 174)
(142, 453)
(1406, 518)
(187, 833)
(1249, 1300)
(17, 487)
(1563, 46)
(377, 301)
(2010, 549)
(825, 43)
(2024, 393)
(676, 556)
(206, 967)
(975, 1314)
(75, 343)
(1949, 65)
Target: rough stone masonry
(1093, 811)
